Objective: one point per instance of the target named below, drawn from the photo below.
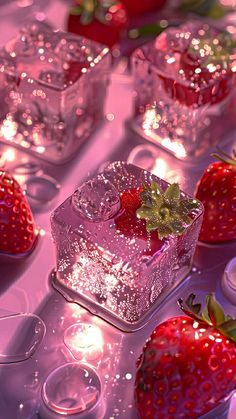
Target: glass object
(72, 389)
(109, 264)
(28, 331)
(52, 89)
(84, 340)
(185, 88)
(228, 282)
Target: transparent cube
(52, 90)
(185, 88)
(110, 264)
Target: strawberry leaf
(165, 211)
(215, 311)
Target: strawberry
(135, 7)
(151, 214)
(17, 228)
(130, 225)
(203, 65)
(217, 191)
(188, 365)
(100, 22)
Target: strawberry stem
(212, 314)
(224, 157)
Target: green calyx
(216, 51)
(224, 157)
(165, 211)
(90, 9)
(212, 314)
(210, 8)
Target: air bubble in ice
(53, 78)
(97, 200)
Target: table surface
(26, 287)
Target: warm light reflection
(175, 146)
(151, 120)
(8, 128)
(9, 155)
(84, 341)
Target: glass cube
(185, 89)
(52, 90)
(106, 260)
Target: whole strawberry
(188, 365)
(217, 191)
(17, 228)
(100, 21)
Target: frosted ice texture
(111, 270)
(185, 114)
(52, 90)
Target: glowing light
(174, 146)
(8, 128)
(151, 121)
(40, 149)
(84, 340)
(9, 155)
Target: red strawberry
(130, 225)
(217, 191)
(152, 214)
(188, 365)
(17, 228)
(135, 7)
(202, 63)
(104, 26)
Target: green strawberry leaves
(212, 314)
(165, 211)
(216, 51)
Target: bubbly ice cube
(46, 90)
(53, 78)
(97, 200)
(106, 260)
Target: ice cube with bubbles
(52, 90)
(105, 258)
(185, 89)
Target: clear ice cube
(111, 265)
(52, 89)
(184, 84)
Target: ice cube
(48, 75)
(109, 262)
(185, 86)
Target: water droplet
(97, 199)
(71, 389)
(28, 330)
(41, 190)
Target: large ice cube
(52, 90)
(185, 85)
(106, 260)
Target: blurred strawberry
(217, 191)
(100, 21)
(135, 7)
(17, 228)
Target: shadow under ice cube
(52, 90)
(106, 260)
